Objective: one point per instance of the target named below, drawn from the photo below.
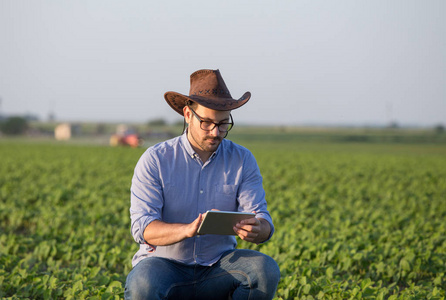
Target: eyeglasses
(209, 125)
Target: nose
(215, 131)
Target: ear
(187, 114)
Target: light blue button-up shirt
(172, 184)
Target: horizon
(392, 125)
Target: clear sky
(319, 62)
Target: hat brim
(177, 101)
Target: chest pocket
(226, 197)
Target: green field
(356, 218)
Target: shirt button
(201, 191)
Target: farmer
(175, 183)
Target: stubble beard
(208, 143)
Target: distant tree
(101, 129)
(179, 122)
(157, 122)
(393, 125)
(14, 126)
(439, 128)
(30, 117)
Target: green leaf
(306, 289)
(107, 295)
(404, 264)
(366, 283)
(114, 284)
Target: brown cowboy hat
(207, 88)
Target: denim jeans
(240, 274)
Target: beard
(208, 143)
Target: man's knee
(267, 270)
(137, 287)
(142, 283)
(260, 268)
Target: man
(175, 183)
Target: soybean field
(354, 219)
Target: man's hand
(253, 230)
(159, 233)
(192, 228)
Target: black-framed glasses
(205, 125)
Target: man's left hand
(254, 230)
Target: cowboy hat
(208, 89)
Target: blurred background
(102, 67)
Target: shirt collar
(187, 146)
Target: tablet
(222, 222)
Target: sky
(309, 62)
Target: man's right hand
(159, 233)
(192, 228)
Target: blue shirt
(172, 184)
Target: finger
(249, 228)
(245, 235)
(248, 221)
(252, 221)
(199, 220)
(193, 227)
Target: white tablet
(222, 222)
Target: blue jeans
(240, 274)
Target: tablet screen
(222, 222)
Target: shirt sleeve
(251, 195)
(146, 196)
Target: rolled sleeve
(146, 196)
(251, 196)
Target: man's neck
(202, 154)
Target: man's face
(200, 139)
